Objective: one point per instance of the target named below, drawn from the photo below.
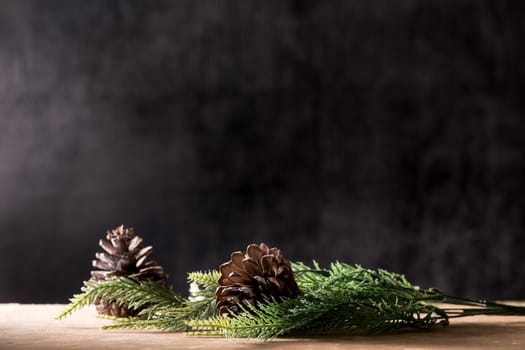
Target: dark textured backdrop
(385, 133)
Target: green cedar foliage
(343, 299)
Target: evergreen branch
(163, 309)
(342, 299)
(201, 302)
(150, 296)
(171, 320)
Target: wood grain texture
(24, 326)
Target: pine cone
(257, 275)
(124, 256)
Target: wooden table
(34, 327)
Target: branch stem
(473, 307)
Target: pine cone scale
(135, 243)
(107, 247)
(144, 252)
(236, 278)
(141, 261)
(225, 272)
(237, 259)
(269, 265)
(100, 275)
(254, 252)
(251, 266)
(118, 244)
(276, 252)
(104, 258)
(101, 265)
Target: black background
(384, 133)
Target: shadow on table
(459, 336)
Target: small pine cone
(124, 256)
(259, 274)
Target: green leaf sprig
(342, 299)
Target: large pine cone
(124, 256)
(259, 274)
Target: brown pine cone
(257, 275)
(126, 256)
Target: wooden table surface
(34, 327)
